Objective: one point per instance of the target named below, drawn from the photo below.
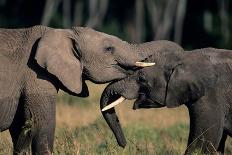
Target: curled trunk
(111, 117)
(127, 88)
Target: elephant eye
(109, 49)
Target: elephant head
(175, 79)
(71, 54)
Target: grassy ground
(81, 129)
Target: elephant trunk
(155, 48)
(124, 89)
(110, 115)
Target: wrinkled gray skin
(36, 62)
(112, 89)
(200, 79)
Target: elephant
(36, 62)
(199, 79)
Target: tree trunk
(154, 14)
(78, 12)
(139, 21)
(67, 13)
(50, 7)
(180, 15)
(223, 10)
(97, 11)
(164, 29)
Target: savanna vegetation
(82, 130)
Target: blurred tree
(224, 18)
(192, 23)
(165, 17)
(67, 13)
(139, 21)
(179, 20)
(97, 11)
(2, 2)
(49, 9)
(78, 12)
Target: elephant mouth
(112, 72)
(137, 65)
(127, 70)
(124, 69)
(130, 69)
(143, 102)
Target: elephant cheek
(172, 100)
(158, 95)
(131, 92)
(104, 75)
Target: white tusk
(144, 64)
(113, 104)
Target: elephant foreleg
(33, 127)
(21, 140)
(42, 143)
(206, 127)
(43, 114)
(221, 147)
(20, 130)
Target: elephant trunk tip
(122, 144)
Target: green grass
(97, 139)
(141, 139)
(81, 130)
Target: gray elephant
(36, 62)
(200, 79)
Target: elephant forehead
(95, 37)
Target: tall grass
(80, 129)
(96, 138)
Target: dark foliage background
(192, 23)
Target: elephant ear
(184, 86)
(55, 53)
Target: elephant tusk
(144, 64)
(113, 104)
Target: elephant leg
(8, 108)
(21, 141)
(43, 113)
(20, 130)
(221, 147)
(206, 127)
(42, 142)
